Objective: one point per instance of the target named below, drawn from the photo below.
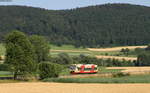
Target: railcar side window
(79, 68)
(87, 69)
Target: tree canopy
(41, 47)
(94, 26)
(20, 55)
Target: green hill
(93, 26)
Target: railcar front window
(72, 67)
(79, 68)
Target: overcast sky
(68, 4)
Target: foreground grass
(9, 81)
(125, 79)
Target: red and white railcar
(83, 68)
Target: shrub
(49, 70)
(121, 74)
(143, 59)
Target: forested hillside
(94, 26)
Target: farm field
(104, 53)
(133, 70)
(97, 52)
(73, 88)
(116, 57)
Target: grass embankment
(125, 79)
(6, 74)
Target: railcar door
(92, 70)
(82, 69)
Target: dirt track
(114, 48)
(73, 88)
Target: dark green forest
(93, 26)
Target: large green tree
(41, 46)
(20, 55)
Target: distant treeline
(94, 26)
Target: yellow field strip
(114, 48)
(116, 57)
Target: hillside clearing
(73, 88)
